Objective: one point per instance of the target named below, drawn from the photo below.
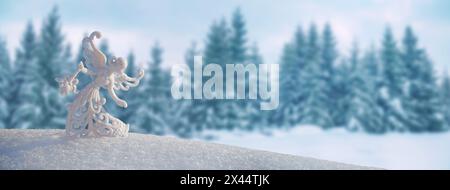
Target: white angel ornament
(86, 114)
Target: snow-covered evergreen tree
(185, 110)
(293, 63)
(189, 55)
(218, 114)
(131, 69)
(239, 55)
(421, 101)
(364, 113)
(393, 69)
(421, 96)
(51, 62)
(152, 114)
(238, 38)
(5, 84)
(316, 86)
(217, 48)
(347, 81)
(445, 100)
(254, 118)
(393, 72)
(24, 111)
(330, 95)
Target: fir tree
(254, 56)
(24, 111)
(421, 97)
(332, 93)
(51, 61)
(393, 79)
(51, 51)
(254, 118)
(189, 55)
(238, 51)
(445, 100)
(131, 69)
(217, 113)
(185, 110)
(238, 38)
(316, 86)
(153, 113)
(362, 85)
(346, 83)
(217, 48)
(422, 103)
(5, 83)
(293, 63)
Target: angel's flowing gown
(87, 116)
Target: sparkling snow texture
(50, 149)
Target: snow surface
(389, 151)
(50, 149)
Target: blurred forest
(390, 86)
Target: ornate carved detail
(86, 114)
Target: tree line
(392, 87)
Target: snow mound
(50, 149)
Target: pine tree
(445, 100)
(293, 63)
(362, 84)
(153, 114)
(24, 111)
(189, 55)
(254, 56)
(238, 49)
(131, 69)
(218, 114)
(5, 84)
(217, 48)
(51, 49)
(51, 61)
(185, 110)
(316, 87)
(393, 80)
(238, 38)
(254, 118)
(332, 93)
(421, 103)
(347, 83)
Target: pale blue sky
(135, 25)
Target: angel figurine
(86, 114)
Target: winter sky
(135, 25)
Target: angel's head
(118, 64)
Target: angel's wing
(94, 59)
(123, 82)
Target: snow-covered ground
(50, 149)
(390, 151)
